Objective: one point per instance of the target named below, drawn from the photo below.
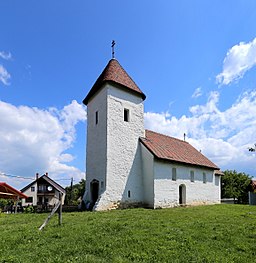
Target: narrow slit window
(129, 193)
(96, 117)
(126, 115)
(192, 176)
(174, 174)
(204, 178)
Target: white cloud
(36, 140)
(5, 55)
(239, 59)
(197, 93)
(4, 75)
(223, 136)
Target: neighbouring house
(252, 193)
(8, 192)
(129, 166)
(43, 192)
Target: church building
(128, 166)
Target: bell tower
(115, 122)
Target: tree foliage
(235, 185)
(3, 202)
(75, 193)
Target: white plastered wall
(148, 176)
(29, 193)
(96, 146)
(124, 171)
(167, 191)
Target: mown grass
(219, 233)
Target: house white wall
(124, 164)
(30, 193)
(167, 191)
(53, 198)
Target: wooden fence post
(60, 208)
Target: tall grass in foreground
(219, 233)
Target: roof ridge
(52, 181)
(42, 176)
(168, 136)
(175, 150)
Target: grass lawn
(218, 233)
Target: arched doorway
(182, 194)
(94, 190)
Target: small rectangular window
(204, 178)
(126, 115)
(129, 193)
(174, 174)
(96, 117)
(32, 188)
(192, 176)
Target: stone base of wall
(118, 205)
(125, 205)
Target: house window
(174, 174)
(129, 193)
(96, 117)
(126, 115)
(41, 188)
(204, 178)
(29, 199)
(192, 176)
(32, 188)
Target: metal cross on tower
(113, 48)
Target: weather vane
(113, 48)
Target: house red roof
(8, 192)
(175, 150)
(253, 185)
(114, 73)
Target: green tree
(235, 185)
(3, 203)
(74, 193)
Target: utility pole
(71, 190)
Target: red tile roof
(218, 172)
(114, 72)
(7, 191)
(175, 150)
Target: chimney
(37, 176)
(46, 174)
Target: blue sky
(195, 61)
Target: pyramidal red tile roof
(114, 72)
(172, 149)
